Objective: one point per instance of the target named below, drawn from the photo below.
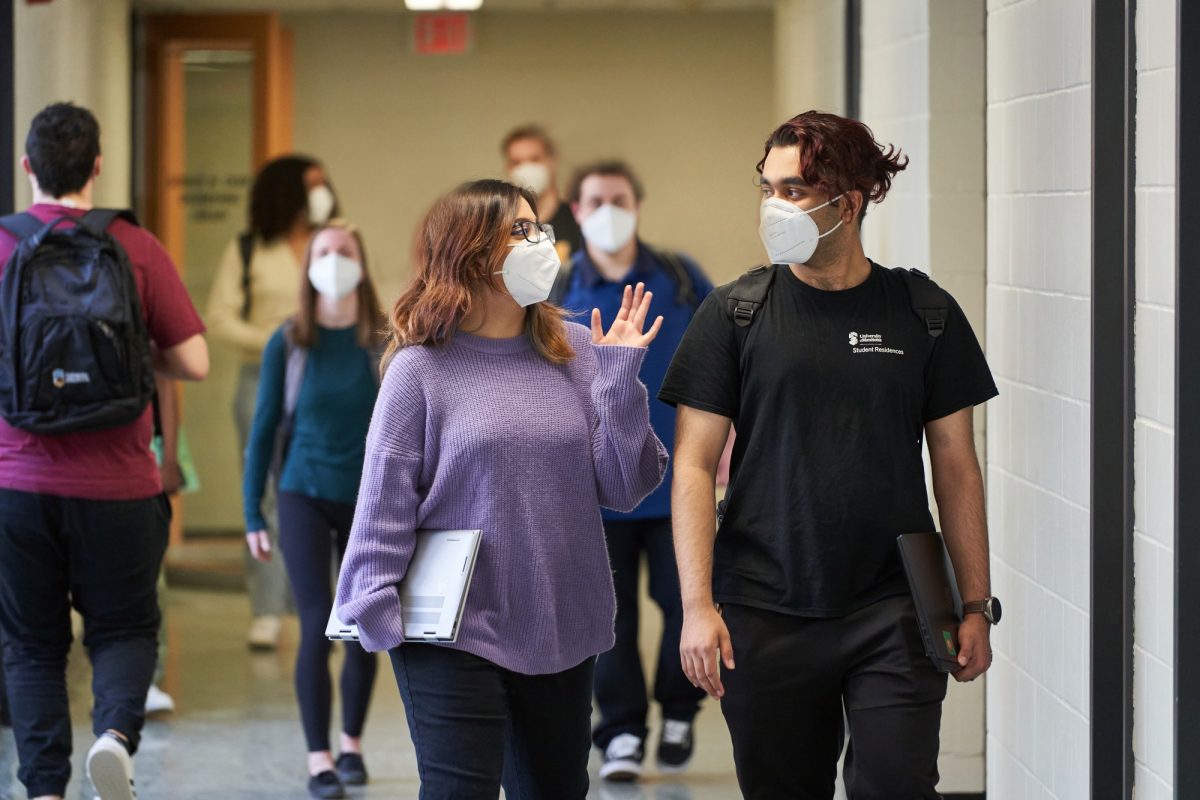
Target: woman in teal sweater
(315, 396)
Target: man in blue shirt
(606, 200)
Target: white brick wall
(895, 104)
(1154, 441)
(1038, 335)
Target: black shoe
(623, 758)
(326, 786)
(351, 769)
(675, 745)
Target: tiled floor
(236, 732)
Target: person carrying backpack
(319, 380)
(606, 198)
(91, 308)
(835, 371)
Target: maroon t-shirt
(113, 464)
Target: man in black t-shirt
(531, 160)
(833, 382)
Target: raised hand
(626, 329)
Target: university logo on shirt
(870, 343)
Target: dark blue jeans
(477, 726)
(102, 557)
(620, 686)
(309, 531)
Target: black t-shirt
(566, 229)
(829, 392)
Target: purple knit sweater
(484, 433)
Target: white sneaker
(158, 701)
(264, 632)
(623, 758)
(110, 769)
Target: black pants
(477, 726)
(309, 530)
(783, 704)
(103, 558)
(620, 686)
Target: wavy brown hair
(370, 323)
(459, 246)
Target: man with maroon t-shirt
(83, 518)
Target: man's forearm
(694, 521)
(960, 502)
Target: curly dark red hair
(838, 155)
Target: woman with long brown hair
(318, 387)
(253, 292)
(496, 414)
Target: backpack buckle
(743, 312)
(935, 324)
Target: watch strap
(975, 606)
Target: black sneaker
(326, 786)
(352, 769)
(675, 746)
(623, 758)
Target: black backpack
(929, 301)
(74, 350)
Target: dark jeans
(102, 557)
(477, 726)
(783, 704)
(5, 720)
(620, 686)
(309, 530)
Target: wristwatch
(988, 606)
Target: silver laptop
(433, 591)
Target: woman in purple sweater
(494, 413)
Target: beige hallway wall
(686, 98)
(78, 51)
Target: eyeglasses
(533, 232)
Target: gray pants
(267, 583)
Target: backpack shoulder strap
(295, 359)
(929, 301)
(749, 293)
(22, 225)
(685, 287)
(246, 249)
(98, 219)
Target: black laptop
(935, 595)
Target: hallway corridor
(236, 732)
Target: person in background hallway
(531, 160)
(171, 474)
(496, 414)
(83, 517)
(253, 293)
(606, 198)
(337, 331)
(833, 380)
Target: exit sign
(442, 33)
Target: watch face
(992, 610)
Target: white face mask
(334, 276)
(610, 228)
(320, 204)
(788, 232)
(529, 271)
(532, 175)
